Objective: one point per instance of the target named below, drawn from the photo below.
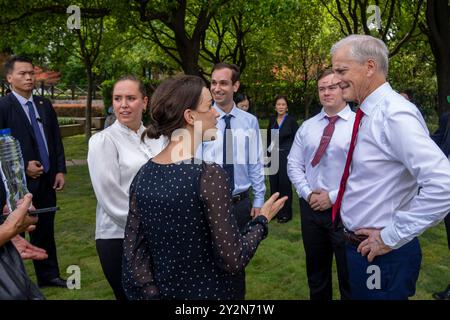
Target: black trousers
(110, 253)
(321, 240)
(44, 234)
(241, 211)
(280, 182)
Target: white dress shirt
(327, 173)
(247, 153)
(115, 156)
(393, 157)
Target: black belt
(352, 238)
(240, 196)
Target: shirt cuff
(258, 203)
(262, 220)
(390, 237)
(333, 195)
(304, 192)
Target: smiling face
(222, 87)
(207, 115)
(330, 94)
(22, 78)
(129, 103)
(354, 77)
(281, 106)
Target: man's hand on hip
(373, 246)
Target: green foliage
(280, 45)
(107, 87)
(412, 71)
(64, 121)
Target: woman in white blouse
(115, 156)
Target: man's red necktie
(325, 140)
(337, 204)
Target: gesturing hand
(27, 250)
(272, 206)
(19, 221)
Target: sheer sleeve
(137, 275)
(232, 249)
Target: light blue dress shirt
(247, 153)
(23, 103)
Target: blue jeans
(392, 276)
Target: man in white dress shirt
(392, 158)
(315, 165)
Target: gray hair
(364, 47)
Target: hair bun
(153, 131)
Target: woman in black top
(181, 241)
(281, 134)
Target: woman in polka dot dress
(181, 241)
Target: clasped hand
(319, 200)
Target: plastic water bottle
(12, 169)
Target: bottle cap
(5, 132)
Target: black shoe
(283, 220)
(443, 295)
(57, 282)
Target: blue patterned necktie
(39, 138)
(228, 150)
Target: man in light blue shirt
(238, 148)
(246, 146)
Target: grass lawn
(277, 271)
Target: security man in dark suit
(442, 139)
(33, 122)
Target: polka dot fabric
(181, 240)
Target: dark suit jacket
(442, 135)
(13, 116)
(286, 133)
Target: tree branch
(389, 20)
(408, 35)
(344, 17)
(324, 3)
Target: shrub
(64, 121)
(76, 110)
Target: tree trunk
(189, 54)
(88, 113)
(443, 81)
(438, 21)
